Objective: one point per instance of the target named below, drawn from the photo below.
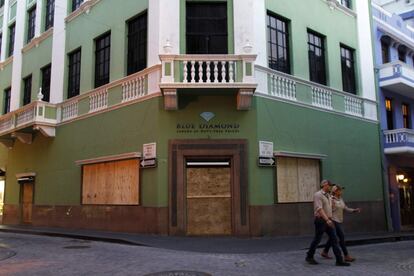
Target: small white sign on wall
(265, 149)
(149, 151)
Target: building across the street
(394, 48)
(188, 117)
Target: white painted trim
(110, 158)
(300, 155)
(84, 8)
(5, 30)
(309, 83)
(28, 174)
(365, 49)
(296, 103)
(399, 150)
(17, 55)
(58, 53)
(38, 21)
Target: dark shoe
(342, 264)
(325, 255)
(349, 259)
(311, 260)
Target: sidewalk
(229, 245)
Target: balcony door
(206, 25)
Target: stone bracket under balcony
(229, 73)
(399, 142)
(22, 123)
(397, 77)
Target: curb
(73, 236)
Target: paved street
(39, 255)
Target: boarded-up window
(297, 179)
(112, 183)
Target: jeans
(322, 227)
(341, 236)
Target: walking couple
(328, 212)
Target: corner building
(394, 47)
(205, 81)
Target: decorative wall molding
(84, 8)
(335, 4)
(35, 42)
(109, 158)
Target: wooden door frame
(236, 151)
(21, 200)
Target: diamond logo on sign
(207, 116)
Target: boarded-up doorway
(27, 201)
(209, 200)
(216, 197)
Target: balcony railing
(397, 77)
(290, 88)
(206, 71)
(122, 91)
(45, 117)
(35, 114)
(399, 141)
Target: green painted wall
(230, 24)
(335, 25)
(4, 154)
(32, 63)
(5, 82)
(351, 147)
(102, 18)
(58, 179)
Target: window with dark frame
(1, 41)
(12, 30)
(346, 3)
(402, 51)
(74, 72)
(76, 4)
(385, 51)
(348, 69)
(316, 52)
(406, 116)
(206, 28)
(7, 99)
(31, 23)
(50, 14)
(278, 43)
(137, 44)
(27, 90)
(389, 111)
(102, 59)
(46, 74)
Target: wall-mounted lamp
(400, 177)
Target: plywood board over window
(297, 179)
(111, 183)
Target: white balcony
(399, 141)
(20, 124)
(45, 117)
(397, 77)
(226, 72)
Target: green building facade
(183, 117)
